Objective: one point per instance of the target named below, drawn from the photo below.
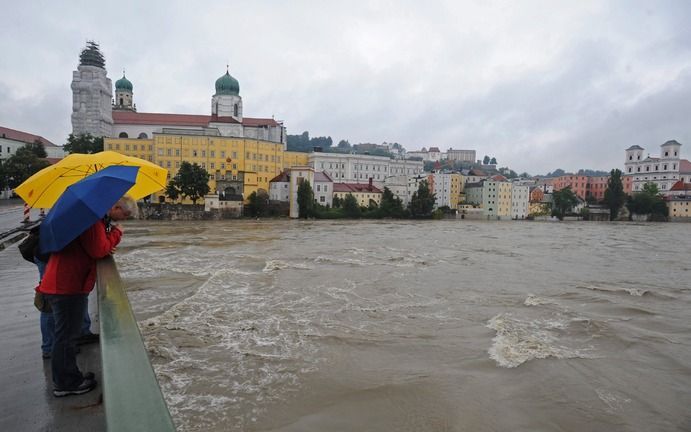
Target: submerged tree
(564, 200)
(422, 201)
(615, 197)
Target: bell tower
(91, 94)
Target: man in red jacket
(69, 277)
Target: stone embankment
(184, 212)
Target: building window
(123, 135)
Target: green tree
(306, 208)
(173, 190)
(493, 161)
(648, 201)
(391, 205)
(351, 208)
(85, 143)
(615, 197)
(422, 201)
(564, 200)
(192, 181)
(25, 162)
(258, 203)
(485, 160)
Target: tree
(615, 197)
(305, 200)
(649, 202)
(422, 202)
(485, 160)
(258, 203)
(564, 200)
(192, 181)
(493, 161)
(172, 190)
(25, 162)
(350, 206)
(343, 145)
(85, 143)
(391, 205)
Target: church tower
(123, 95)
(227, 101)
(91, 94)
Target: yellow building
(503, 198)
(235, 165)
(363, 193)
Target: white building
(520, 200)
(279, 187)
(461, 155)
(323, 189)
(664, 171)
(11, 140)
(358, 168)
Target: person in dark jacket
(69, 277)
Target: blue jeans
(47, 321)
(68, 313)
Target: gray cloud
(539, 86)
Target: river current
(415, 326)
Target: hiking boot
(85, 387)
(87, 338)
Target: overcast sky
(539, 85)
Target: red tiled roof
(684, 167)
(281, 178)
(321, 176)
(355, 187)
(499, 178)
(24, 137)
(681, 186)
(132, 117)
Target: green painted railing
(131, 394)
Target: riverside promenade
(26, 399)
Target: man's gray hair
(129, 204)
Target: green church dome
(123, 83)
(227, 85)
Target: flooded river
(416, 326)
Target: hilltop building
(664, 171)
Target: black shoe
(87, 338)
(85, 387)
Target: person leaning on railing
(69, 277)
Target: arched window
(123, 135)
(143, 135)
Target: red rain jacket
(73, 269)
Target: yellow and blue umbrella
(84, 203)
(43, 189)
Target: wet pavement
(26, 400)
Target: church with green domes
(100, 112)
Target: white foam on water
(533, 300)
(520, 340)
(613, 401)
(636, 292)
(276, 264)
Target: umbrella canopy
(42, 189)
(84, 203)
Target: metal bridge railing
(131, 394)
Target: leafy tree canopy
(422, 201)
(86, 143)
(24, 163)
(615, 197)
(564, 200)
(306, 208)
(191, 181)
